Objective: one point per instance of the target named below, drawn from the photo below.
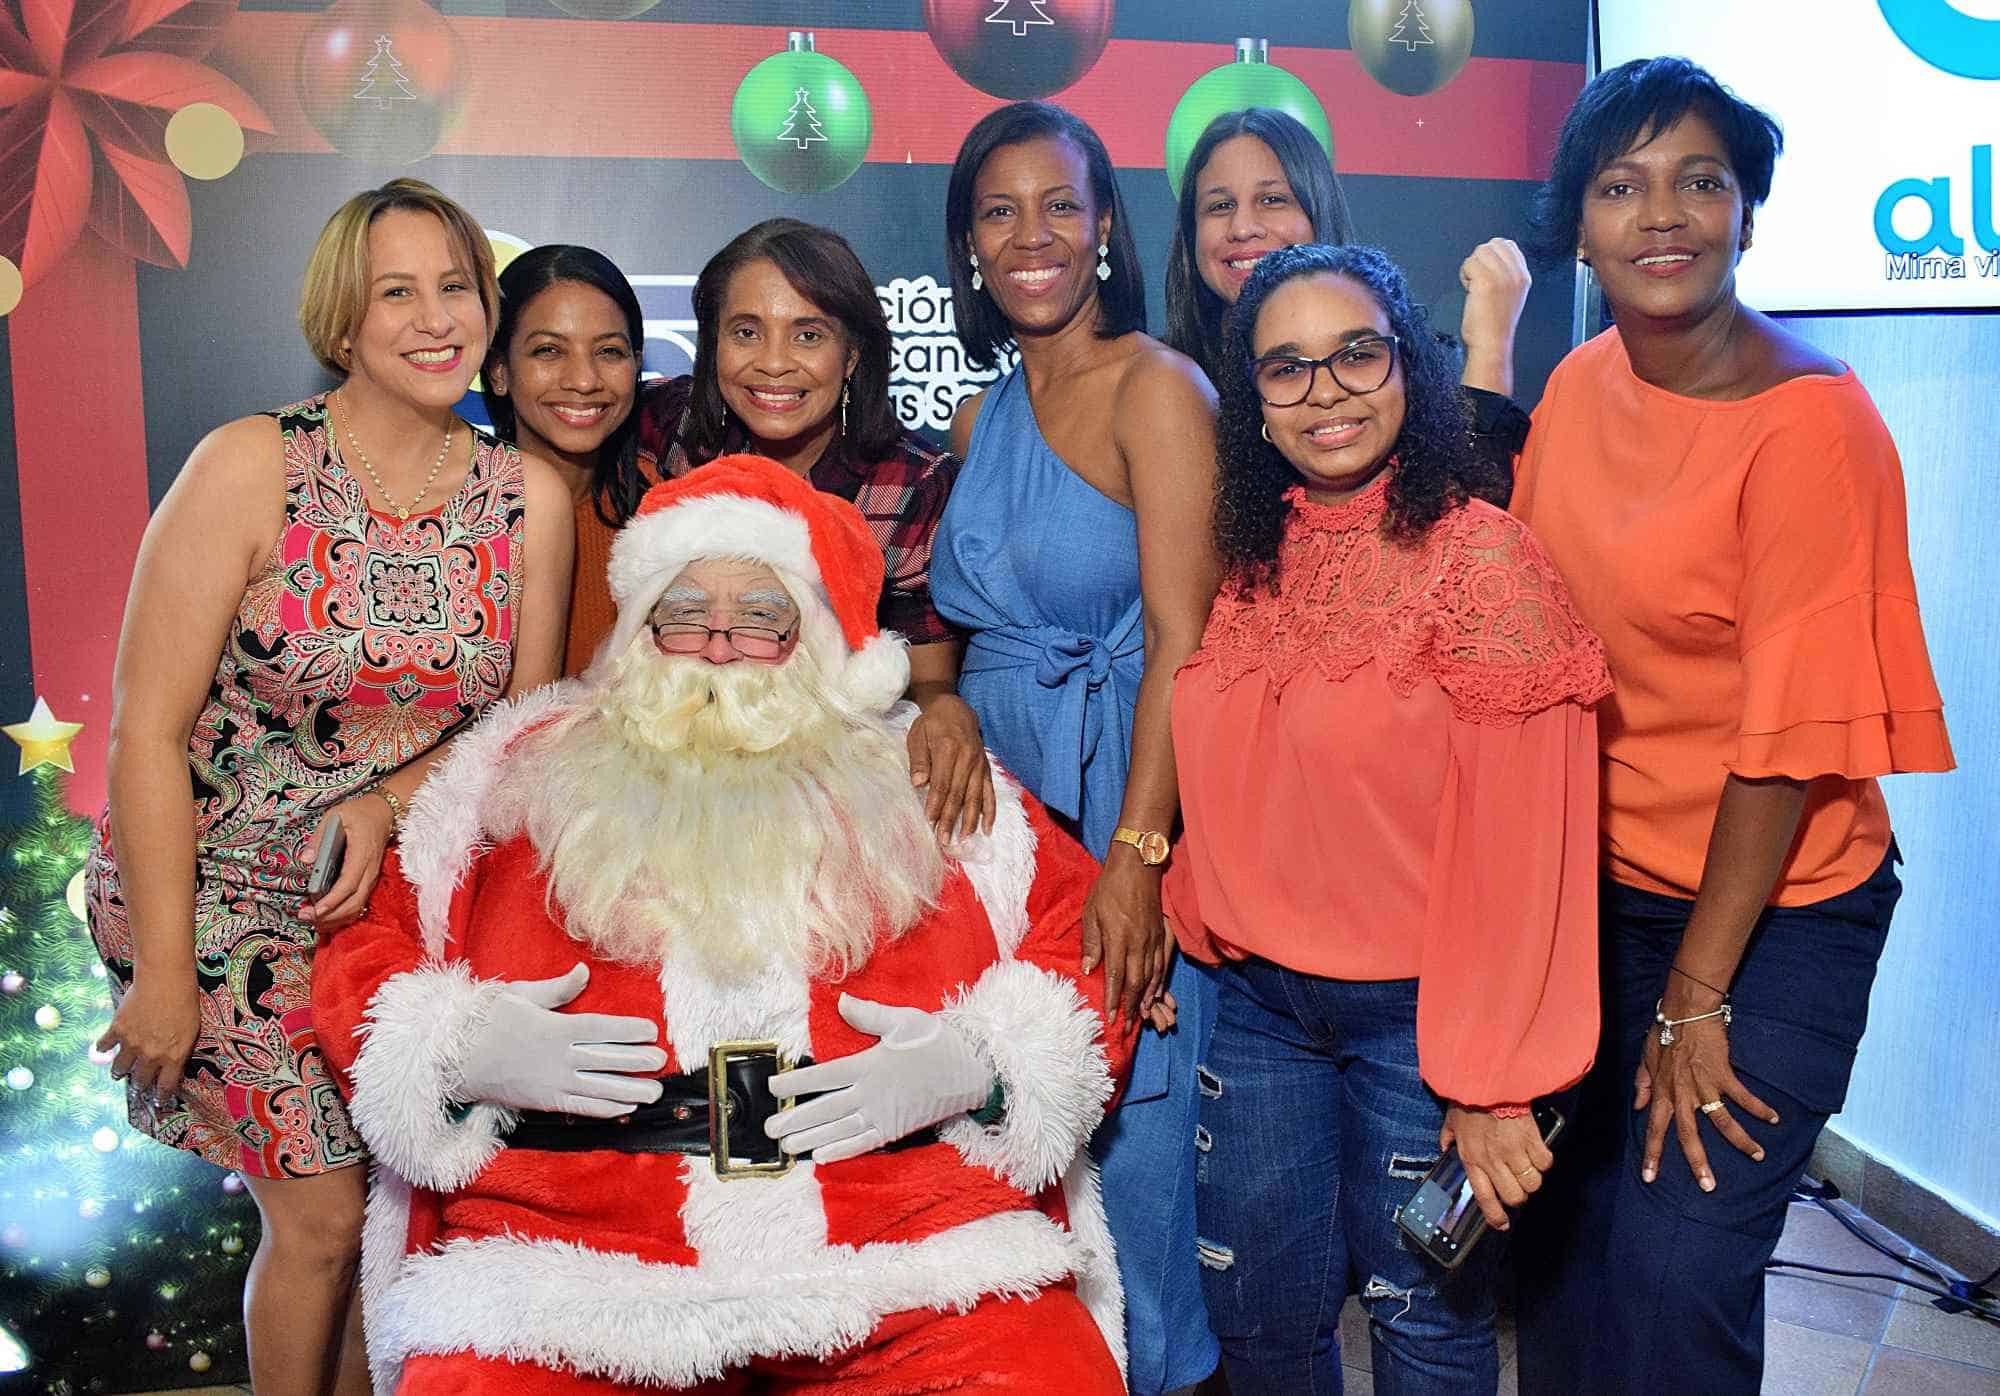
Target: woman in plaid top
(792, 362)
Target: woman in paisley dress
(323, 597)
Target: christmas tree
(1412, 11)
(802, 109)
(385, 52)
(121, 1261)
(1020, 14)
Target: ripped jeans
(1315, 1128)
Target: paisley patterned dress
(361, 644)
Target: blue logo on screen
(1945, 38)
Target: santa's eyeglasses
(750, 641)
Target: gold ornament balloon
(10, 286)
(1411, 46)
(204, 141)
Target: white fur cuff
(1045, 1045)
(409, 1064)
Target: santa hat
(751, 508)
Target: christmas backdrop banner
(164, 167)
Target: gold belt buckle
(719, 1058)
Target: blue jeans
(1638, 1287)
(1315, 1128)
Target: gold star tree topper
(43, 740)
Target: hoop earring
(977, 279)
(1266, 430)
(1103, 262)
(843, 409)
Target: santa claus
(688, 1058)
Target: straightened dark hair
(1194, 312)
(616, 483)
(1436, 469)
(1636, 100)
(1121, 300)
(821, 267)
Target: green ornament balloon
(1251, 81)
(800, 120)
(1411, 46)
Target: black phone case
(1442, 1219)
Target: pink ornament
(12, 982)
(156, 1341)
(232, 1183)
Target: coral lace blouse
(1747, 565)
(1388, 770)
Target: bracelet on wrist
(396, 811)
(1676, 969)
(1667, 1025)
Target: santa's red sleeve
(393, 1022)
(1034, 1015)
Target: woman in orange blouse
(1387, 764)
(1728, 507)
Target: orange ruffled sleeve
(1507, 996)
(1836, 678)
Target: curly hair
(1436, 469)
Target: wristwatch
(1151, 843)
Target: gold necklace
(401, 512)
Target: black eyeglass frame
(778, 638)
(1331, 363)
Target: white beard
(734, 812)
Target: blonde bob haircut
(335, 295)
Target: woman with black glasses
(1388, 779)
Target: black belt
(717, 1111)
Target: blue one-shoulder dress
(1041, 569)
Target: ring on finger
(1524, 1172)
(1710, 1107)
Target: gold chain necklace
(401, 512)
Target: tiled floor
(1824, 1336)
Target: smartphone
(1443, 1219)
(326, 867)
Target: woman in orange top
(1388, 778)
(1728, 508)
(561, 380)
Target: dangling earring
(1103, 264)
(977, 279)
(1266, 429)
(843, 409)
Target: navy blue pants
(1640, 1287)
(1315, 1128)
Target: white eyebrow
(768, 597)
(682, 592)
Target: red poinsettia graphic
(86, 90)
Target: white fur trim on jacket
(413, 1041)
(1097, 1282)
(385, 1239)
(445, 826)
(1001, 864)
(1045, 1046)
(615, 1316)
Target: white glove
(527, 1056)
(922, 1071)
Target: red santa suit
(649, 1269)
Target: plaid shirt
(902, 498)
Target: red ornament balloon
(1019, 48)
(381, 79)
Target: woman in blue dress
(1076, 552)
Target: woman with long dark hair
(1075, 554)
(792, 362)
(1728, 506)
(1256, 181)
(1387, 762)
(560, 381)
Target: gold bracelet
(395, 808)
